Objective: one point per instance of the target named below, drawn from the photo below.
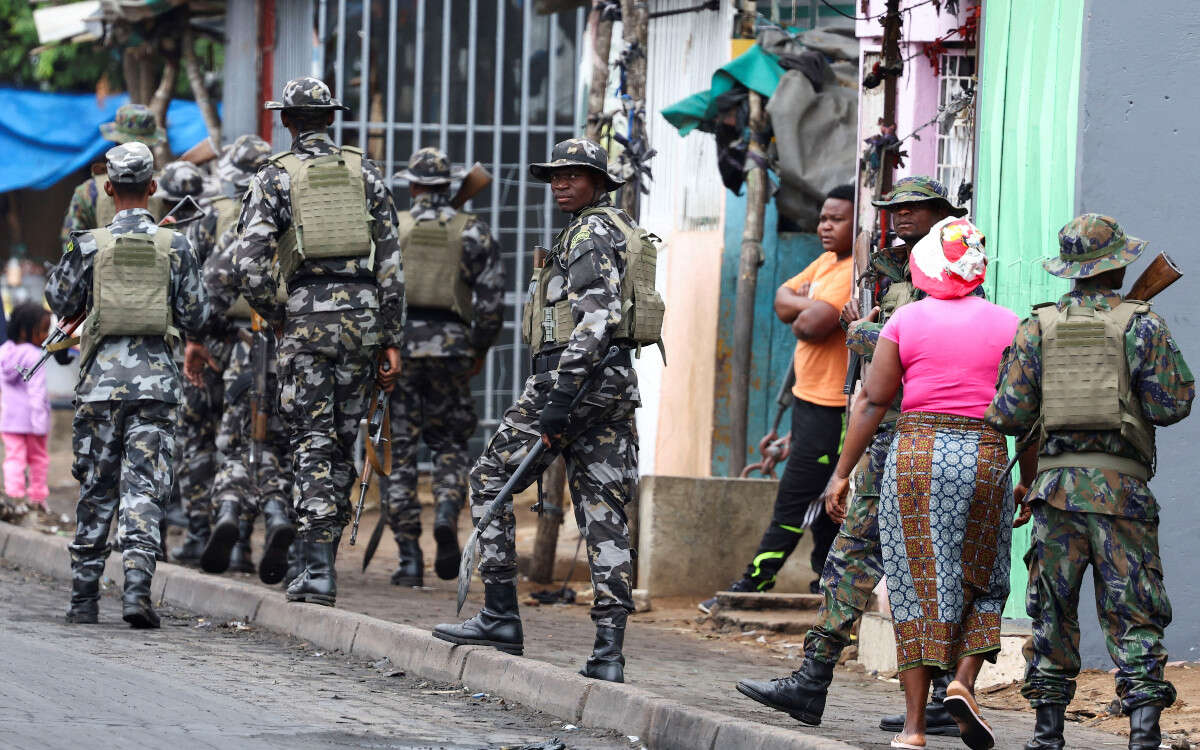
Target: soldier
(241, 491)
(128, 392)
(345, 286)
(1086, 485)
(454, 285)
(855, 563)
(589, 293)
(91, 207)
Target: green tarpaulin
(754, 69)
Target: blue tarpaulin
(46, 136)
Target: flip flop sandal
(904, 745)
(976, 734)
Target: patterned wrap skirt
(945, 526)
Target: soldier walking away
(91, 207)
(128, 393)
(454, 286)
(593, 290)
(1093, 449)
(855, 562)
(332, 216)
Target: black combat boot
(222, 540)
(318, 583)
(135, 602)
(800, 695)
(937, 719)
(1048, 729)
(607, 661)
(411, 571)
(85, 602)
(280, 531)
(1144, 732)
(445, 533)
(240, 560)
(295, 562)
(194, 542)
(497, 625)
(175, 516)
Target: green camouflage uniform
(432, 399)
(1095, 517)
(126, 403)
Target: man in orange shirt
(810, 303)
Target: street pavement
(200, 684)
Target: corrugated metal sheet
(293, 54)
(240, 85)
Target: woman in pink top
(945, 505)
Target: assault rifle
(261, 354)
(379, 439)
(473, 183)
(63, 336)
(864, 295)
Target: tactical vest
(131, 282)
(899, 294)
(433, 252)
(227, 210)
(642, 308)
(106, 209)
(1086, 384)
(329, 209)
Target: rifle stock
(1160, 274)
(473, 183)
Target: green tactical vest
(329, 209)
(106, 210)
(1086, 384)
(227, 210)
(899, 294)
(642, 307)
(131, 281)
(432, 264)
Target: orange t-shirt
(821, 365)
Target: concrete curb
(663, 724)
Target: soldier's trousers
(235, 480)
(123, 462)
(327, 364)
(854, 565)
(432, 400)
(601, 458)
(1130, 598)
(199, 416)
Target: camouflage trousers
(235, 480)
(601, 458)
(199, 416)
(123, 452)
(854, 565)
(432, 400)
(1130, 599)
(327, 364)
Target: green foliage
(62, 67)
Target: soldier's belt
(1095, 460)
(312, 279)
(434, 315)
(549, 361)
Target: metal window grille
(484, 80)
(956, 147)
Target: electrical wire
(844, 14)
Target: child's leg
(14, 464)
(39, 467)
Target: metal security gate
(484, 80)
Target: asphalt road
(202, 684)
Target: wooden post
(212, 122)
(747, 284)
(159, 103)
(635, 22)
(598, 88)
(545, 544)
(891, 57)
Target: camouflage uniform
(1100, 517)
(432, 398)
(126, 400)
(339, 312)
(134, 122)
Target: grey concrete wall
(1138, 154)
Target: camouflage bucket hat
(306, 93)
(576, 152)
(429, 166)
(918, 190)
(178, 180)
(129, 163)
(240, 160)
(134, 122)
(1092, 244)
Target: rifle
(864, 293)
(1160, 274)
(260, 363)
(379, 438)
(63, 335)
(472, 184)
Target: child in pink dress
(25, 407)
